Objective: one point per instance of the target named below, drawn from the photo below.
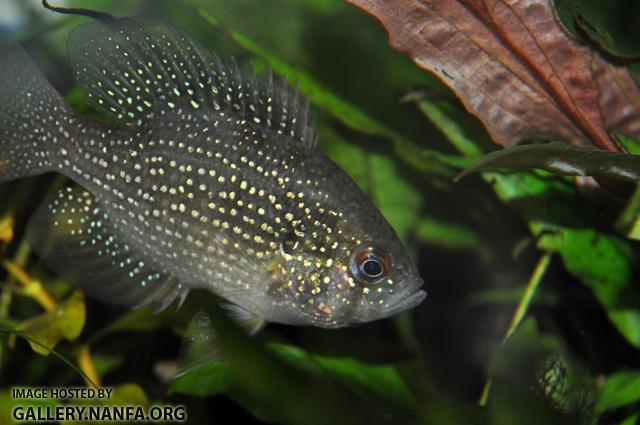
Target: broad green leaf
(382, 381)
(206, 380)
(296, 357)
(620, 389)
(600, 260)
(628, 322)
(563, 159)
(65, 322)
(275, 390)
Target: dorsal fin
(90, 13)
(140, 71)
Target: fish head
(354, 269)
(371, 281)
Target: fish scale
(209, 178)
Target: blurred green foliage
(64, 322)
(402, 137)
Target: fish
(199, 175)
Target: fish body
(208, 177)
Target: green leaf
(620, 389)
(447, 235)
(380, 381)
(65, 322)
(563, 159)
(450, 128)
(9, 327)
(277, 389)
(205, 380)
(509, 296)
(629, 221)
(600, 260)
(105, 363)
(628, 322)
(296, 357)
(630, 144)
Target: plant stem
(33, 287)
(87, 365)
(521, 311)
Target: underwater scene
(320, 212)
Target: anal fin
(74, 235)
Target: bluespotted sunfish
(202, 176)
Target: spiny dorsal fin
(78, 241)
(141, 71)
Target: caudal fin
(31, 115)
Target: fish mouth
(403, 301)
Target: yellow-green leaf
(64, 322)
(6, 229)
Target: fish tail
(31, 116)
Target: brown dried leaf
(619, 99)
(515, 67)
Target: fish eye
(370, 264)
